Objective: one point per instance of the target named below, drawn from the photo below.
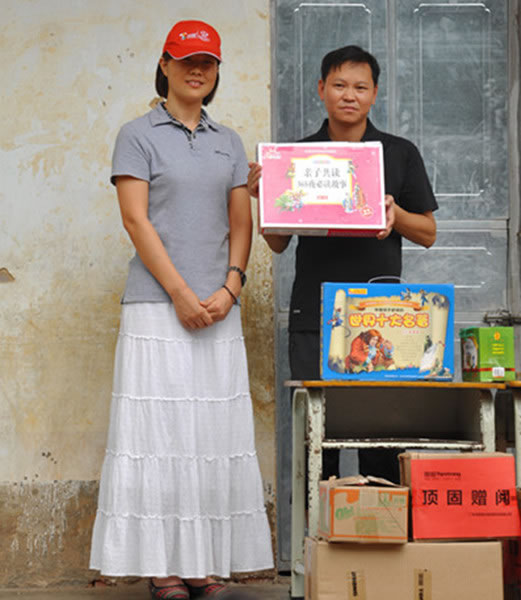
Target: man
(348, 88)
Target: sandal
(178, 591)
(204, 591)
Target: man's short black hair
(354, 54)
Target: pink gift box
(322, 188)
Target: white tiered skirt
(180, 490)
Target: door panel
(474, 260)
(451, 101)
(337, 22)
(304, 33)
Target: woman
(180, 494)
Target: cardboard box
(451, 571)
(461, 496)
(488, 354)
(321, 188)
(382, 331)
(363, 509)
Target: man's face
(348, 93)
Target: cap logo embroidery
(202, 35)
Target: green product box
(487, 354)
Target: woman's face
(190, 79)
(373, 340)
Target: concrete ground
(266, 591)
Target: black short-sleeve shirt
(354, 259)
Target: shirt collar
(371, 134)
(205, 117)
(159, 116)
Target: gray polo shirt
(190, 176)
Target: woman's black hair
(162, 83)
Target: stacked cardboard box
(363, 509)
(461, 496)
(461, 505)
(416, 571)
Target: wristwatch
(242, 274)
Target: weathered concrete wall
(72, 74)
(45, 531)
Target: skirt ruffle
(180, 490)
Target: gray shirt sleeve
(240, 168)
(130, 157)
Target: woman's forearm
(240, 235)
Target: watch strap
(242, 274)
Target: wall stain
(57, 357)
(45, 530)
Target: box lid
(360, 480)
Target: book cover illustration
(328, 186)
(387, 331)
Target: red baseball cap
(192, 37)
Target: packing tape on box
(422, 584)
(356, 585)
